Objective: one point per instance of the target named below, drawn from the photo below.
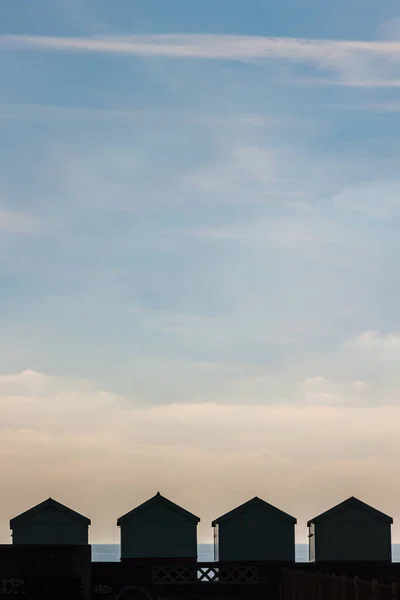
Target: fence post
(374, 589)
(299, 586)
(343, 587)
(288, 585)
(319, 586)
(356, 588)
(394, 590)
(285, 584)
(293, 586)
(282, 585)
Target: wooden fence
(299, 585)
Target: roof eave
(21, 518)
(27, 514)
(220, 520)
(128, 517)
(325, 516)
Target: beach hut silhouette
(350, 531)
(50, 522)
(158, 529)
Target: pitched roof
(254, 502)
(351, 502)
(155, 500)
(46, 504)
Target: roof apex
(256, 501)
(50, 502)
(352, 501)
(158, 498)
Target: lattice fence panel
(238, 575)
(205, 574)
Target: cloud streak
(362, 83)
(210, 46)
(344, 56)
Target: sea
(111, 553)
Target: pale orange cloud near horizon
(102, 454)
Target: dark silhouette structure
(255, 531)
(254, 550)
(50, 523)
(158, 529)
(42, 572)
(350, 531)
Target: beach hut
(255, 531)
(50, 523)
(350, 531)
(159, 529)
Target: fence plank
(300, 585)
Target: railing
(205, 573)
(297, 585)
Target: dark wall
(66, 573)
(50, 526)
(353, 534)
(46, 572)
(256, 534)
(159, 531)
(109, 579)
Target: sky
(199, 241)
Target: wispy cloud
(390, 30)
(353, 60)
(377, 199)
(371, 107)
(211, 46)
(16, 222)
(362, 83)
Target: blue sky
(199, 211)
